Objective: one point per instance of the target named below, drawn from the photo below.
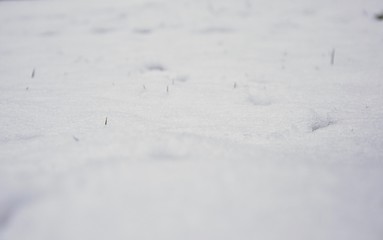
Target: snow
(226, 119)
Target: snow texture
(191, 119)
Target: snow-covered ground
(191, 119)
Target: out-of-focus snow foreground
(182, 119)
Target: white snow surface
(226, 119)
